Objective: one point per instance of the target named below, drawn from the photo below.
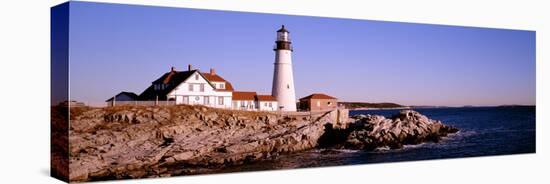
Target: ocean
(484, 131)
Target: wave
(460, 134)
(348, 150)
(385, 148)
(412, 146)
(335, 150)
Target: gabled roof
(216, 78)
(130, 94)
(244, 95)
(265, 98)
(317, 96)
(213, 77)
(172, 78)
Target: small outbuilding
(123, 97)
(318, 102)
(244, 100)
(267, 103)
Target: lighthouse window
(288, 86)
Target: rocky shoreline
(369, 132)
(139, 142)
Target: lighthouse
(283, 80)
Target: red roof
(243, 95)
(318, 96)
(265, 98)
(213, 77)
(217, 78)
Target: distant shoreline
(440, 107)
(381, 108)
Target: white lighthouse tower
(283, 80)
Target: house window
(220, 100)
(222, 86)
(265, 104)
(185, 100)
(191, 87)
(196, 76)
(270, 105)
(206, 100)
(202, 87)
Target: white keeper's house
(193, 87)
(190, 87)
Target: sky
(116, 48)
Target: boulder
(407, 127)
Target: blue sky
(117, 48)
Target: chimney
(172, 69)
(189, 67)
(212, 71)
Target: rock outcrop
(135, 142)
(408, 127)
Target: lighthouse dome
(283, 29)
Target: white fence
(140, 103)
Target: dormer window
(222, 86)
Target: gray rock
(408, 127)
(110, 142)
